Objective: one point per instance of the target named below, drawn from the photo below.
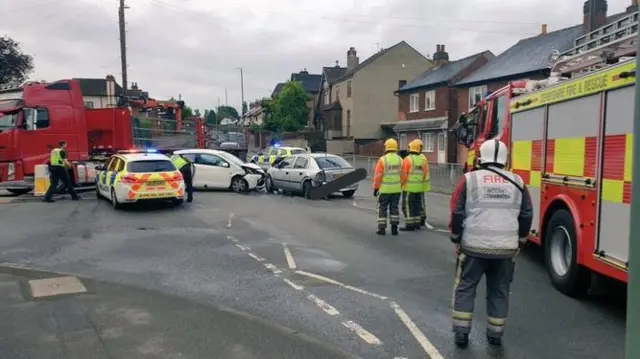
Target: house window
(337, 93)
(429, 141)
(476, 94)
(403, 141)
(429, 100)
(326, 96)
(441, 142)
(348, 89)
(348, 123)
(88, 104)
(414, 102)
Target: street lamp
(241, 90)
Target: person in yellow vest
(387, 186)
(58, 170)
(184, 166)
(426, 187)
(413, 174)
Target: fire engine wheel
(561, 256)
(114, 200)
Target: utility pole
(242, 90)
(633, 289)
(123, 44)
(218, 103)
(226, 98)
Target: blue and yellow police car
(271, 154)
(133, 176)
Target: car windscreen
(150, 166)
(297, 151)
(331, 162)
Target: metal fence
(444, 176)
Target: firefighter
(490, 220)
(387, 186)
(426, 187)
(413, 174)
(184, 166)
(59, 171)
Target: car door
(298, 172)
(214, 172)
(281, 174)
(101, 177)
(192, 158)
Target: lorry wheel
(19, 191)
(561, 256)
(114, 200)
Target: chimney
(595, 15)
(304, 72)
(440, 57)
(633, 7)
(352, 59)
(543, 29)
(337, 63)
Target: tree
(196, 113)
(210, 117)
(227, 112)
(15, 66)
(187, 112)
(288, 112)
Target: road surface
(313, 266)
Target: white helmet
(493, 151)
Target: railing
(162, 134)
(444, 176)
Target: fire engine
(570, 137)
(37, 115)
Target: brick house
(356, 100)
(529, 59)
(428, 104)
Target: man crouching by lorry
(59, 171)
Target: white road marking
(362, 333)
(428, 225)
(230, 220)
(287, 253)
(259, 259)
(400, 358)
(431, 351)
(232, 239)
(273, 268)
(292, 284)
(441, 230)
(242, 247)
(323, 305)
(335, 282)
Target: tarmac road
(376, 297)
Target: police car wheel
(561, 256)
(239, 185)
(114, 200)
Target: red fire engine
(39, 115)
(570, 139)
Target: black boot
(394, 229)
(423, 222)
(461, 340)
(381, 232)
(494, 341)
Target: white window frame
(430, 100)
(442, 141)
(403, 140)
(428, 141)
(414, 102)
(475, 94)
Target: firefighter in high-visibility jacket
(426, 187)
(387, 186)
(491, 216)
(413, 174)
(184, 166)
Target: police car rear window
(150, 166)
(297, 151)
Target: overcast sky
(194, 47)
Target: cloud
(195, 47)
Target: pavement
(315, 267)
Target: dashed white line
(287, 253)
(273, 268)
(323, 305)
(362, 333)
(292, 284)
(244, 248)
(429, 226)
(431, 351)
(259, 259)
(230, 220)
(335, 282)
(232, 239)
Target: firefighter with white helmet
(491, 216)
(387, 186)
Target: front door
(442, 147)
(281, 175)
(212, 171)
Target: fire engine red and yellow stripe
(616, 176)
(526, 161)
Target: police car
(133, 176)
(270, 155)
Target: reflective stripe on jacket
(426, 185)
(55, 158)
(492, 209)
(391, 173)
(178, 161)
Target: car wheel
(306, 189)
(348, 194)
(114, 200)
(239, 185)
(98, 195)
(176, 202)
(19, 191)
(561, 256)
(268, 184)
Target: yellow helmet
(415, 146)
(390, 145)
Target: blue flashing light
(277, 144)
(151, 150)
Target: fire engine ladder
(600, 48)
